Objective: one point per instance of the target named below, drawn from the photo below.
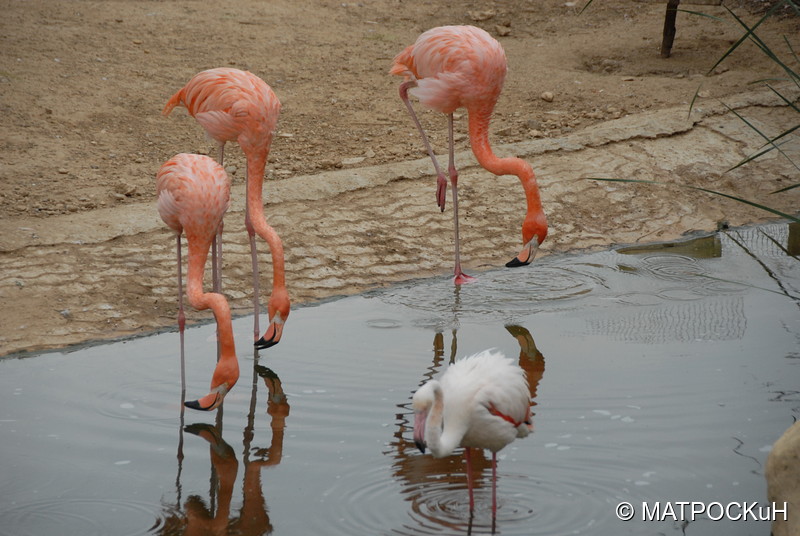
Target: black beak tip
(194, 404)
(195, 428)
(420, 445)
(262, 343)
(516, 263)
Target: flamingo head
(211, 401)
(226, 374)
(534, 231)
(278, 309)
(421, 403)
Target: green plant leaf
(770, 142)
(584, 7)
(749, 34)
(792, 187)
(701, 14)
(694, 98)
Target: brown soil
(83, 84)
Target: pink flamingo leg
(251, 232)
(216, 253)
(460, 277)
(181, 323)
(216, 271)
(470, 484)
(441, 181)
(494, 485)
(216, 260)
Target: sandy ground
(83, 255)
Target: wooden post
(669, 28)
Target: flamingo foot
(210, 402)
(525, 256)
(441, 192)
(269, 340)
(462, 279)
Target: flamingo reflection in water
(421, 472)
(215, 517)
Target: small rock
(126, 189)
(62, 171)
(66, 313)
(352, 161)
(548, 96)
(369, 153)
(505, 131)
(502, 31)
(137, 41)
(486, 14)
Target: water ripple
(497, 294)
(141, 399)
(86, 517)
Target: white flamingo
(481, 401)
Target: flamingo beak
(211, 401)
(527, 254)
(419, 430)
(273, 334)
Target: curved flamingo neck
(479, 118)
(441, 442)
(198, 254)
(256, 168)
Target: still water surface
(655, 376)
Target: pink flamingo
(451, 67)
(234, 105)
(193, 195)
(481, 401)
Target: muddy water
(657, 374)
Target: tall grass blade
(694, 98)
(749, 32)
(584, 7)
(769, 141)
(792, 187)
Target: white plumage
(481, 401)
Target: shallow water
(656, 375)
